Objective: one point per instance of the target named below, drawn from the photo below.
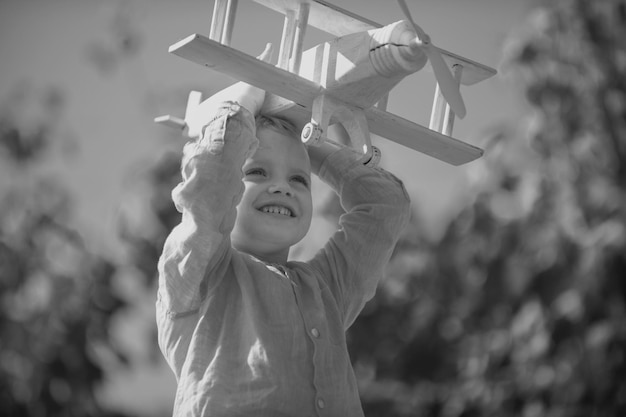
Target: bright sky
(48, 44)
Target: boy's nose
(280, 188)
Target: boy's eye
(255, 171)
(299, 178)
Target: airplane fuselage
(360, 68)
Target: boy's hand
(318, 154)
(246, 95)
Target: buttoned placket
(319, 402)
(316, 338)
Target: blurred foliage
(121, 42)
(57, 298)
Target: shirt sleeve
(377, 210)
(197, 250)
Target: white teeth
(276, 210)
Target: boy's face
(276, 208)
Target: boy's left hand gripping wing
(198, 113)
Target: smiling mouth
(280, 210)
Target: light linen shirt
(246, 338)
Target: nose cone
(394, 51)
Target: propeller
(448, 85)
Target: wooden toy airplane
(346, 80)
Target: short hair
(277, 124)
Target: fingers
(247, 95)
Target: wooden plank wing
(241, 66)
(420, 138)
(339, 22)
(391, 127)
(473, 72)
(324, 16)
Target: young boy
(247, 332)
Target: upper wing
(324, 16)
(339, 22)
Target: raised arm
(207, 197)
(377, 210)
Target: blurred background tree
(57, 298)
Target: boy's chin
(276, 249)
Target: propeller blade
(448, 85)
(418, 30)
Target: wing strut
(223, 21)
(442, 116)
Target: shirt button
(321, 403)
(315, 333)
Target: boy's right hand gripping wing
(248, 96)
